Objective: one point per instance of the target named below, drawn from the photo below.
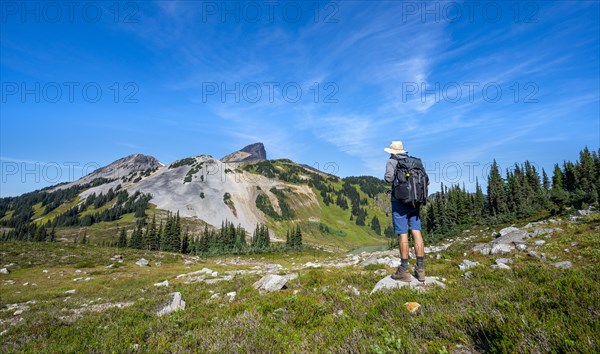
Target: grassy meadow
(533, 307)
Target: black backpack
(410, 181)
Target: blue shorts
(405, 216)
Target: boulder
(164, 283)
(466, 264)
(4, 271)
(175, 303)
(484, 249)
(511, 237)
(142, 262)
(538, 255)
(504, 260)
(273, 282)
(500, 266)
(564, 265)
(521, 246)
(388, 283)
(539, 243)
(507, 230)
(501, 248)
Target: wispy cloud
(128, 145)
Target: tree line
(168, 235)
(523, 192)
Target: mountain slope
(279, 193)
(119, 168)
(251, 153)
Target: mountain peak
(251, 153)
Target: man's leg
(419, 244)
(403, 244)
(401, 229)
(420, 253)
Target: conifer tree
(375, 226)
(479, 202)
(185, 242)
(152, 237)
(53, 234)
(298, 238)
(545, 181)
(122, 241)
(136, 238)
(496, 193)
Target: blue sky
(329, 84)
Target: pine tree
(375, 226)
(479, 202)
(558, 195)
(545, 181)
(122, 241)
(136, 238)
(167, 235)
(360, 218)
(260, 237)
(176, 234)
(496, 192)
(298, 237)
(557, 178)
(153, 237)
(204, 243)
(53, 234)
(160, 235)
(185, 242)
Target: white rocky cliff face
(199, 187)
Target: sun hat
(396, 147)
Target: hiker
(409, 191)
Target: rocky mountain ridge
(251, 153)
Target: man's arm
(390, 170)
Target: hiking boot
(420, 274)
(402, 274)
